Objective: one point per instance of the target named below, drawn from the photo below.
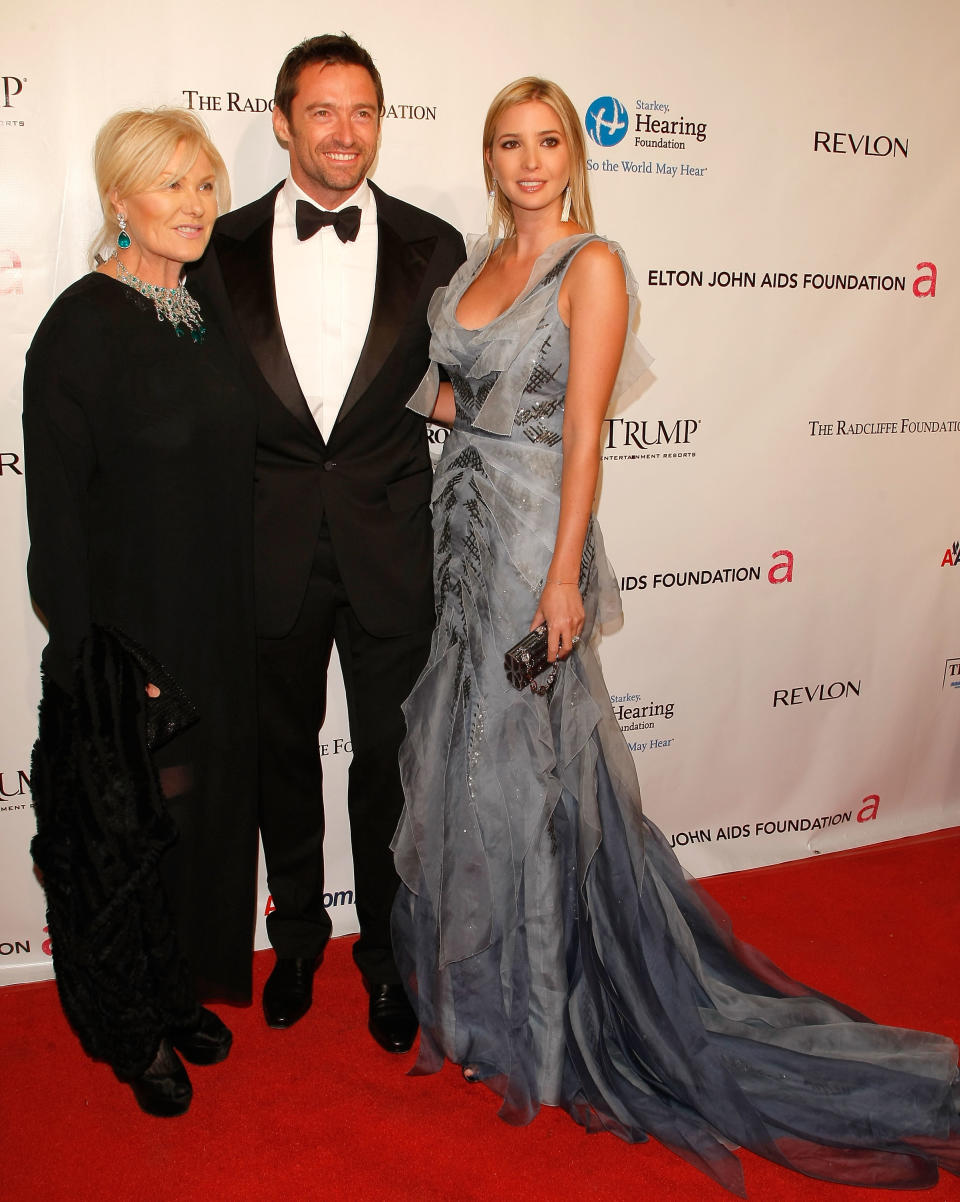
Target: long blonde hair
(132, 151)
(530, 87)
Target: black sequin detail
(539, 377)
(558, 268)
(542, 434)
(468, 404)
(538, 412)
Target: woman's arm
(445, 409)
(593, 301)
(59, 463)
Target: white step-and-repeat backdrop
(780, 502)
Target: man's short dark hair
(327, 48)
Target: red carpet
(320, 1114)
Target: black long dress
(139, 448)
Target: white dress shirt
(324, 297)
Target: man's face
(333, 130)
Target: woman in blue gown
(548, 937)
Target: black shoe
(206, 1041)
(164, 1090)
(288, 992)
(392, 1021)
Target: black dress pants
(378, 674)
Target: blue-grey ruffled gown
(545, 930)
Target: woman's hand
(561, 607)
(152, 690)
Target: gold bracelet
(546, 582)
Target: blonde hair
(519, 92)
(131, 153)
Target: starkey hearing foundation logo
(656, 128)
(606, 121)
(635, 712)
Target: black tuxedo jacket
(371, 482)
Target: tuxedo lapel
(246, 262)
(400, 269)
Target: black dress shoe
(164, 1090)
(392, 1021)
(288, 993)
(206, 1041)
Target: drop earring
(123, 238)
(567, 202)
(491, 205)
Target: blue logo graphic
(606, 121)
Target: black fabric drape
(101, 831)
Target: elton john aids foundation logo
(606, 121)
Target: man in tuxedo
(325, 281)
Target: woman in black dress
(139, 442)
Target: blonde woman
(549, 940)
(139, 447)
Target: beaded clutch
(526, 660)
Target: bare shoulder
(596, 268)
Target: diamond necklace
(175, 305)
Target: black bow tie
(346, 222)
